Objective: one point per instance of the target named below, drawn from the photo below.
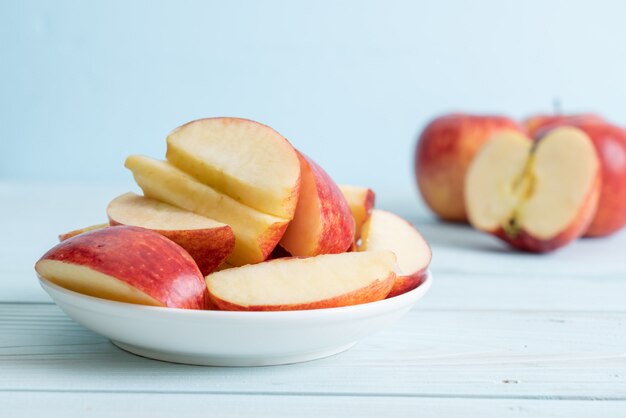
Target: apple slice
(387, 231)
(256, 233)
(535, 197)
(75, 232)
(323, 223)
(126, 264)
(207, 241)
(361, 202)
(248, 161)
(325, 281)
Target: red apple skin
(208, 254)
(526, 242)
(610, 144)
(370, 202)
(443, 153)
(375, 291)
(536, 123)
(338, 226)
(271, 237)
(140, 257)
(405, 284)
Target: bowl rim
(93, 303)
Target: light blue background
(83, 84)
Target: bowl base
(230, 361)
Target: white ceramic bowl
(219, 338)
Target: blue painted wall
(83, 84)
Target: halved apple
(387, 231)
(126, 264)
(75, 232)
(361, 202)
(323, 223)
(209, 242)
(610, 143)
(535, 197)
(256, 233)
(325, 281)
(248, 161)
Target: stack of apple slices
(231, 197)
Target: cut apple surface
(387, 231)
(248, 161)
(126, 264)
(209, 242)
(75, 232)
(256, 233)
(361, 202)
(325, 281)
(323, 222)
(610, 143)
(535, 197)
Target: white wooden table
(500, 334)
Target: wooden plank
(157, 405)
(438, 353)
(459, 249)
(534, 292)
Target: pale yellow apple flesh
(324, 281)
(209, 242)
(75, 232)
(387, 231)
(361, 202)
(256, 233)
(543, 192)
(132, 209)
(89, 282)
(495, 180)
(248, 161)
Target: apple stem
(556, 106)
(511, 227)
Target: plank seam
(327, 394)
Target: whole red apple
(444, 150)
